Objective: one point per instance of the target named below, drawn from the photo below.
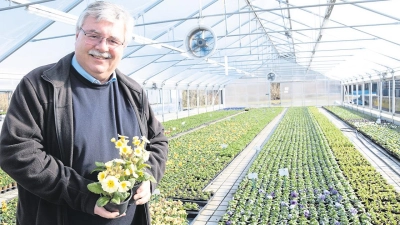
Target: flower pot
(121, 208)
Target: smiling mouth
(99, 55)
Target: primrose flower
(126, 150)
(119, 161)
(110, 184)
(136, 141)
(146, 155)
(138, 151)
(108, 164)
(118, 176)
(145, 140)
(101, 176)
(124, 186)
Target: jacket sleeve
(158, 144)
(30, 155)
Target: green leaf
(95, 188)
(100, 164)
(149, 177)
(133, 181)
(102, 201)
(98, 169)
(116, 200)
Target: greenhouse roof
(339, 39)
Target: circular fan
(271, 76)
(201, 42)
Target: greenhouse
(272, 112)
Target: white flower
(145, 139)
(119, 161)
(110, 184)
(124, 186)
(146, 156)
(138, 152)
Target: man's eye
(94, 36)
(114, 42)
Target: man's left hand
(143, 193)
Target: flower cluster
(118, 176)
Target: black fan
(201, 42)
(271, 76)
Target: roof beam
(256, 11)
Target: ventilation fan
(271, 76)
(201, 42)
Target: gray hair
(107, 11)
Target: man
(60, 122)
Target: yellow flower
(138, 151)
(4, 206)
(119, 144)
(110, 184)
(136, 142)
(126, 150)
(127, 172)
(124, 186)
(109, 164)
(113, 140)
(102, 175)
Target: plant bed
(386, 135)
(201, 203)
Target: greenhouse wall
(254, 93)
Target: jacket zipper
(57, 127)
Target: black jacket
(36, 145)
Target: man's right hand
(101, 211)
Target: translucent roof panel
(339, 39)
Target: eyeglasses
(95, 39)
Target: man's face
(98, 59)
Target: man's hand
(143, 193)
(101, 211)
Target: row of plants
(174, 127)
(386, 135)
(381, 201)
(8, 212)
(162, 211)
(196, 158)
(314, 191)
(6, 182)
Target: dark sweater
(100, 113)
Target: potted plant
(120, 178)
